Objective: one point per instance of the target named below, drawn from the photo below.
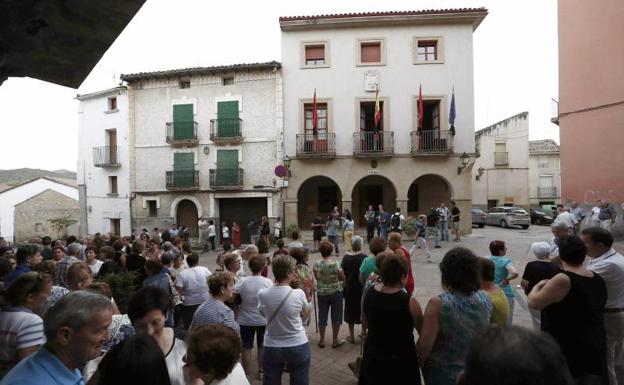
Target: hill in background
(21, 175)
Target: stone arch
(375, 190)
(178, 199)
(428, 191)
(317, 196)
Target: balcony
(105, 156)
(555, 111)
(226, 178)
(182, 180)
(432, 142)
(547, 192)
(320, 145)
(182, 133)
(226, 130)
(501, 159)
(373, 144)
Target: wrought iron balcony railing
(321, 144)
(105, 156)
(432, 142)
(182, 133)
(547, 192)
(226, 130)
(368, 143)
(226, 178)
(182, 179)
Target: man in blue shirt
(76, 328)
(27, 257)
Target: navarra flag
(314, 115)
(377, 111)
(421, 109)
(452, 113)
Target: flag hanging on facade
(421, 109)
(452, 113)
(377, 111)
(314, 115)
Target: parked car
(548, 209)
(478, 217)
(508, 216)
(540, 218)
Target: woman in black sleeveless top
(572, 303)
(391, 316)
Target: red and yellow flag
(377, 110)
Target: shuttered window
(370, 52)
(183, 121)
(315, 54)
(229, 121)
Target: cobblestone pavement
(329, 366)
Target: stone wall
(32, 215)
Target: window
(367, 116)
(112, 103)
(112, 184)
(371, 52)
(315, 54)
(185, 83)
(428, 50)
(153, 208)
(542, 163)
(38, 227)
(321, 112)
(501, 157)
(228, 80)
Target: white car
(508, 216)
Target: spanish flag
(377, 111)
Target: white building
(39, 211)
(103, 162)
(349, 160)
(544, 172)
(501, 173)
(205, 143)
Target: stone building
(501, 173)
(25, 209)
(351, 159)
(544, 174)
(204, 142)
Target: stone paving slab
(329, 366)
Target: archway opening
(372, 190)
(317, 196)
(186, 215)
(426, 192)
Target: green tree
(61, 224)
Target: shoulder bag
(279, 307)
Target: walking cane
(315, 316)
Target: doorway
(186, 215)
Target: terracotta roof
(201, 71)
(384, 13)
(543, 146)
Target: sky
(515, 64)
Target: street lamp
(463, 162)
(286, 162)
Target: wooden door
(183, 169)
(112, 146)
(186, 215)
(227, 168)
(229, 122)
(183, 123)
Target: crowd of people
(64, 321)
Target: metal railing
(367, 143)
(182, 179)
(226, 178)
(226, 129)
(319, 144)
(432, 141)
(181, 132)
(501, 158)
(105, 156)
(547, 192)
(555, 111)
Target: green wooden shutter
(183, 169)
(227, 167)
(229, 123)
(183, 121)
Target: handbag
(176, 299)
(279, 307)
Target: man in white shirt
(595, 212)
(610, 265)
(559, 230)
(566, 218)
(202, 224)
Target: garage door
(242, 210)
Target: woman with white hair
(537, 270)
